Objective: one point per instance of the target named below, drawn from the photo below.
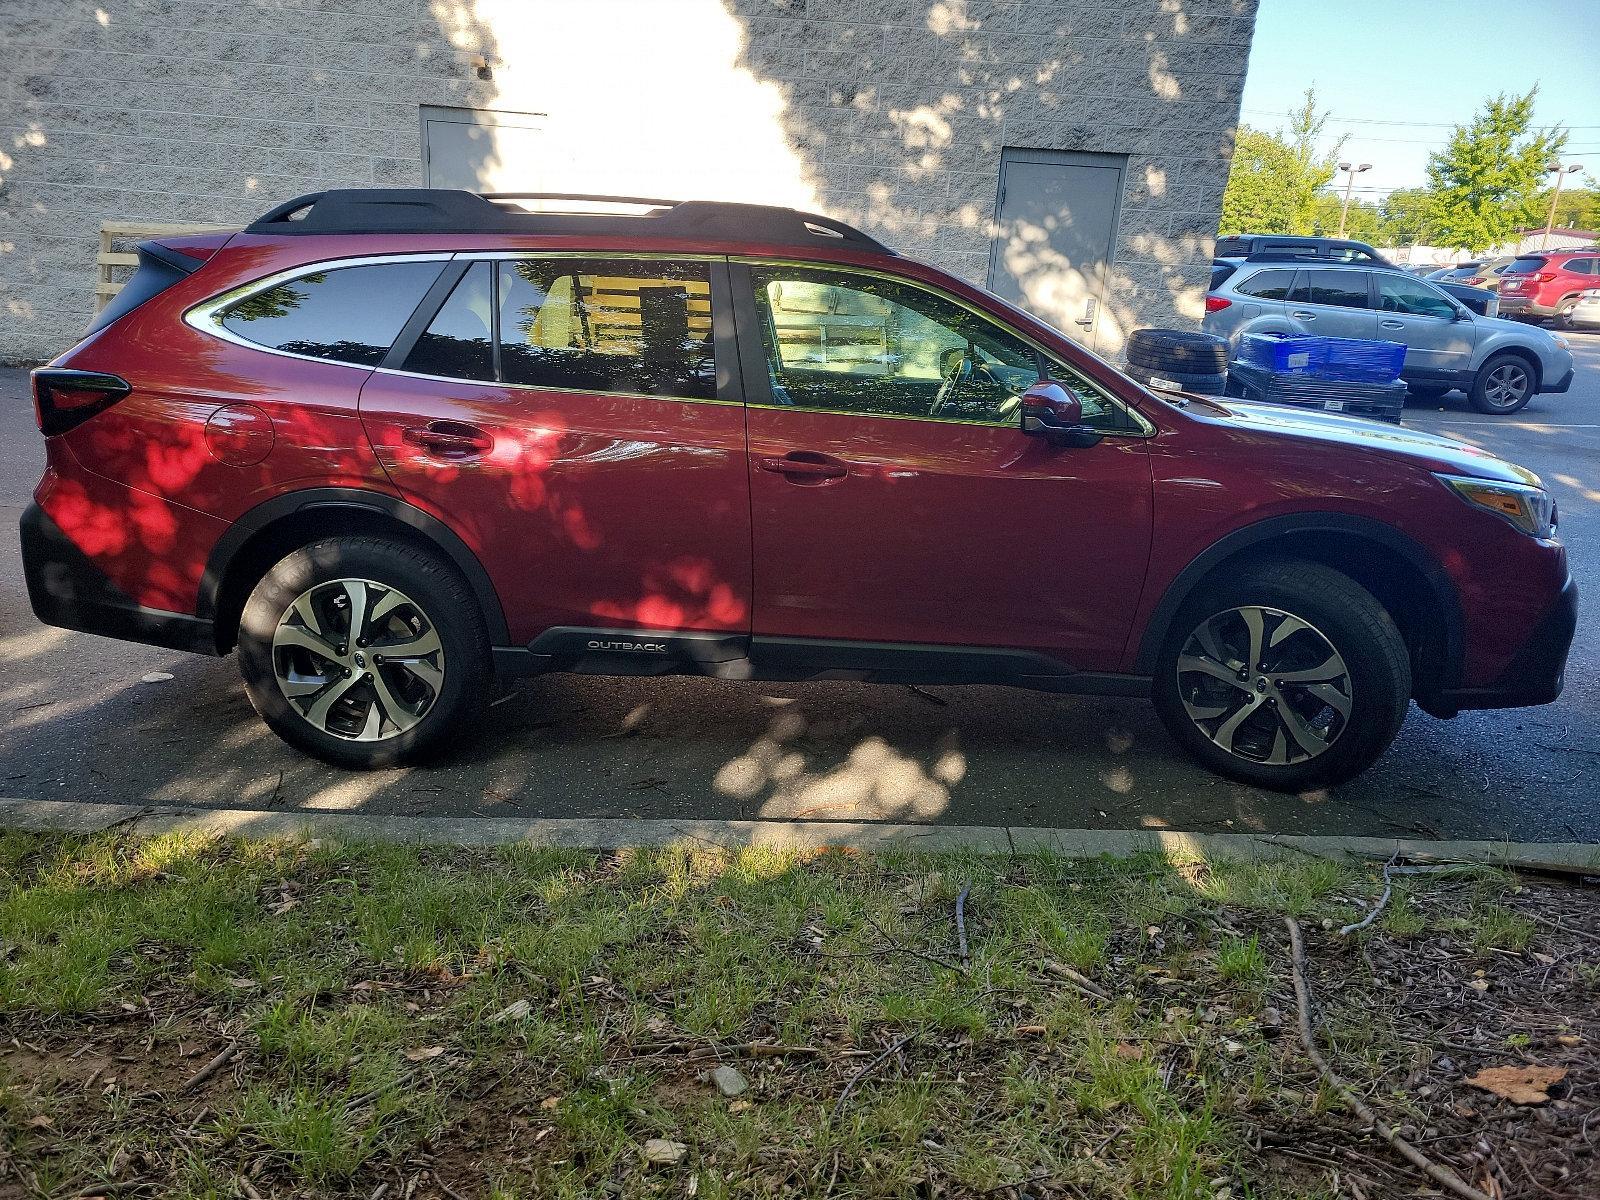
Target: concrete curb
(609, 834)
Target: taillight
(64, 398)
(1217, 303)
(1544, 276)
(1473, 280)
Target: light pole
(1560, 172)
(1350, 182)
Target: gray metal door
(1057, 215)
(482, 151)
(1332, 303)
(1426, 320)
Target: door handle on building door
(1087, 320)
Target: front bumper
(1534, 676)
(1561, 385)
(67, 590)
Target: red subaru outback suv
(394, 445)
(1548, 284)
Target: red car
(392, 445)
(1548, 284)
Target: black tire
(1494, 380)
(437, 600)
(1203, 385)
(1563, 317)
(1177, 350)
(1376, 686)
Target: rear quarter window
(343, 314)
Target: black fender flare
(1272, 528)
(268, 512)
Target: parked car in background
(1585, 313)
(1452, 274)
(1489, 274)
(1290, 246)
(1545, 285)
(393, 445)
(1501, 365)
(1480, 300)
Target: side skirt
(595, 651)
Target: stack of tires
(1177, 358)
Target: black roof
(438, 210)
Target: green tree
(1577, 207)
(1362, 223)
(1275, 177)
(1407, 218)
(1488, 178)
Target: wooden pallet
(110, 259)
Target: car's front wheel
(1503, 385)
(363, 652)
(1287, 675)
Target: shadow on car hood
(1438, 453)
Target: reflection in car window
(1339, 289)
(459, 343)
(1268, 285)
(876, 347)
(1398, 294)
(624, 326)
(347, 314)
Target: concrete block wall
(889, 113)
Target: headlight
(1530, 509)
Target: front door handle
(1392, 324)
(804, 466)
(450, 439)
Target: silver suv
(1501, 365)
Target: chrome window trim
(1145, 430)
(535, 387)
(207, 315)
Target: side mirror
(1053, 411)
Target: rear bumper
(67, 590)
(1534, 676)
(1524, 306)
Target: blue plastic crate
(1359, 360)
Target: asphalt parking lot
(79, 721)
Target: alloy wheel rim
(1507, 385)
(357, 659)
(1265, 685)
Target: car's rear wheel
(363, 652)
(1287, 675)
(1503, 385)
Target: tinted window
(1582, 266)
(1525, 266)
(856, 344)
(1220, 273)
(596, 325)
(459, 342)
(1232, 247)
(1340, 289)
(1397, 294)
(1268, 285)
(349, 314)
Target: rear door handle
(1392, 324)
(1302, 315)
(804, 466)
(450, 439)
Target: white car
(1586, 313)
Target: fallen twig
(857, 1079)
(446, 1188)
(1076, 978)
(228, 1054)
(1390, 870)
(1441, 1175)
(961, 924)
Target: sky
(1397, 74)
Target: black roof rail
(440, 210)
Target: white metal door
(482, 151)
(1057, 216)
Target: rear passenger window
(459, 342)
(1338, 289)
(346, 314)
(596, 325)
(1267, 285)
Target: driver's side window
(853, 343)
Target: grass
(368, 990)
